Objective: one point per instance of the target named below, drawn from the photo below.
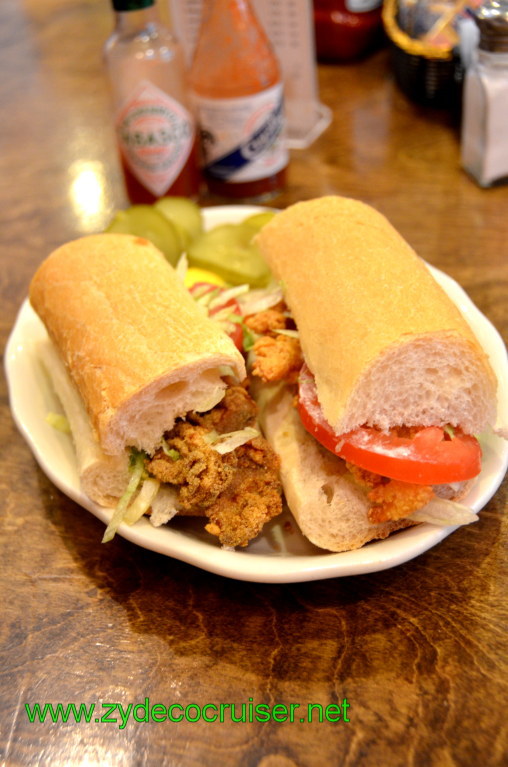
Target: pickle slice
(145, 221)
(258, 220)
(184, 214)
(228, 251)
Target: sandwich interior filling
(216, 465)
(277, 356)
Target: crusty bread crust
(329, 507)
(138, 348)
(103, 477)
(385, 343)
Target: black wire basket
(426, 74)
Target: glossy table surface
(418, 652)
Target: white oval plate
(281, 554)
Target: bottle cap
(131, 5)
(492, 19)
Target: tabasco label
(155, 134)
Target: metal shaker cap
(492, 19)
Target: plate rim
(249, 565)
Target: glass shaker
(484, 139)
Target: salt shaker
(484, 139)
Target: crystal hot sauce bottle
(237, 92)
(155, 126)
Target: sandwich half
(152, 389)
(372, 385)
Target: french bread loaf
(137, 347)
(103, 477)
(330, 508)
(386, 345)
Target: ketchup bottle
(237, 91)
(155, 127)
(346, 29)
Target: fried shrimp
(277, 359)
(268, 320)
(391, 499)
(397, 500)
(277, 356)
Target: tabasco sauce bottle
(154, 123)
(237, 92)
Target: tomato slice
(206, 292)
(429, 457)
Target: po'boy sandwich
(152, 389)
(373, 384)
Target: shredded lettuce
(256, 301)
(223, 314)
(142, 502)
(226, 443)
(59, 422)
(249, 338)
(227, 320)
(227, 295)
(136, 457)
(288, 332)
(137, 469)
(171, 452)
(164, 506)
(181, 267)
(204, 295)
(444, 513)
(198, 291)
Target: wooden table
(418, 651)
